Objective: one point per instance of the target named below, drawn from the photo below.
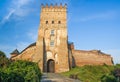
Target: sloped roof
(15, 52)
(33, 44)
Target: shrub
(4, 61)
(21, 71)
(18, 71)
(108, 78)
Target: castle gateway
(52, 51)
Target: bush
(4, 61)
(21, 71)
(18, 71)
(2, 54)
(108, 78)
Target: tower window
(46, 22)
(52, 32)
(52, 43)
(59, 22)
(52, 22)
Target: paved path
(54, 77)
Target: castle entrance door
(51, 66)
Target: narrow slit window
(59, 22)
(52, 22)
(46, 22)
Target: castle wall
(27, 54)
(91, 58)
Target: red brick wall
(91, 58)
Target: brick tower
(52, 44)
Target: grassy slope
(91, 73)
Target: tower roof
(15, 52)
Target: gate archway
(51, 66)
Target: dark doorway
(51, 66)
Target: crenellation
(51, 5)
(54, 8)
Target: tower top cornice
(53, 5)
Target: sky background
(92, 24)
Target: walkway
(54, 77)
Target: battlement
(52, 7)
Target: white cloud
(100, 16)
(115, 53)
(9, 14)
(6, 18)
(17, 8)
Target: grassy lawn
(93, 73)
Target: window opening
(52, 43)
(59, 22)
(46, 22)
(52, 32)
(52, 22)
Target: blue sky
(92, 24)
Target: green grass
(92, 73)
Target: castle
(52, 51)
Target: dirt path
(54, 77)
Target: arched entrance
(51, 66)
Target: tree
(2, 54)
(117, 74)
(108, 78)
(28, 70)
(18, 71)
(4, 61)
(14, 77)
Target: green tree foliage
(3, 59)
(2, 54)
(22, 71)
(18, 71)
(29, 70)
(117, 74)
(108, 78)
